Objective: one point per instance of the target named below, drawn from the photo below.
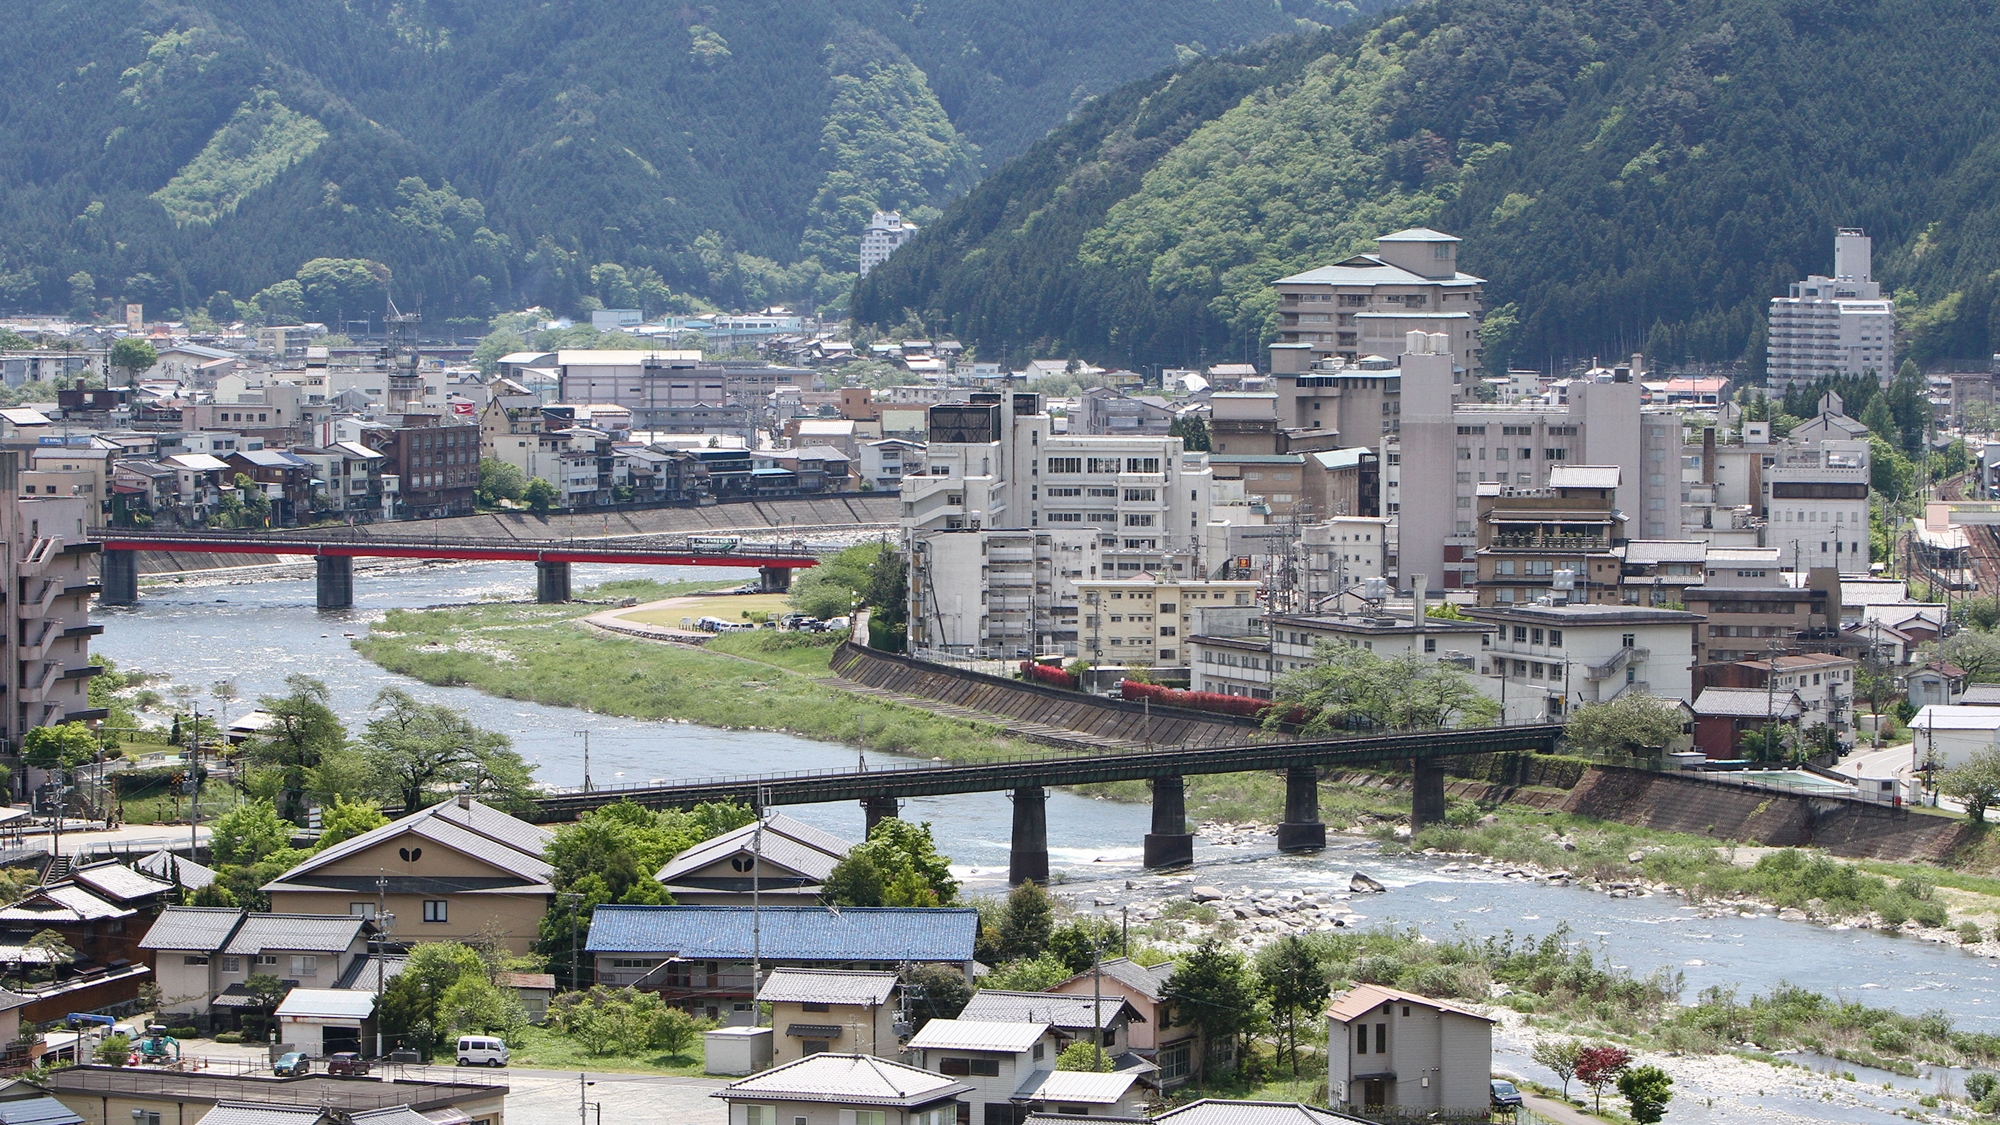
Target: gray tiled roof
(1057, 1008)
(258, 1113)
(1150, 982)
(827, 986)
(37, 1111)
(787, 843)
(167, 866)
(486, 834)
(205, 928)
(845, 1079)
(323, 933)
(1220, 1111)
(118, 882)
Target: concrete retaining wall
(1722, 811)
(760, 518)
(1034, 703)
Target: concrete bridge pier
(336, 581)
(774, 579)
(1029, 856)
(1427, 804)
(879, 809)
(119, 575)
(1169, 844)
(551, 582)
(1301, 830)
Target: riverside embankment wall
(1087, 714)
(1719, 810)
(756, 517)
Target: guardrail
(682, 544)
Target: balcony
(1511, 541)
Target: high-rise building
(1365, 305)
(885, 232)
(46, 672)
(1003, 492)
(1839, 325)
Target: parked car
(1505, 1095)
(346, 1064)
(481, 1050)
(292, 1064)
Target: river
(259, 630)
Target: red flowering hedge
(1210, 701)
(1047, 674)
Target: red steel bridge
(337, 549)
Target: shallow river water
(258, 631)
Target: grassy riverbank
(742, 681)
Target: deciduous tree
(1629, 724)
(1647, 1091)
(1212, 989)
(1976, 783)
(1293, 981)
(1560, 1056)
(1599, 1066)
(426, 750)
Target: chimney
(1419, 598)
(465, 800)
(1708, 455)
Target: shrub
(1047, 674)
(1969, 933)
(229, 1037)
(184, 1032)
(114, 1051)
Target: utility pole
(585, 735)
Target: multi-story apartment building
(437, 466)
(1143, 620)
(672, 391)
(1839, 325)
(1547, 660)
(1824, 683)
(885, 232)
(1006, 593)
(1815, 507)
(1366, 304)
(1563, 538)
(1754, 618)
(1448, 448)
(1243, 654)
(46, 668)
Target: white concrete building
(1839, 325)
(1950, 734)
(1815, 504)
(885, 232)
(1388, 1049)
(1058, 508)
(1548, 660)
(995, 1058)
(1345, 550)
(1147, 620)
(1235, 653)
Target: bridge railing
(933, 765)
(634, 543)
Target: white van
(480, 1050)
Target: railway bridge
(335, 551)
(1026, 780)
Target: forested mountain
(1626, 173)
(493, 153)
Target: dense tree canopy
(1624, 174)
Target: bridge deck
(930, 779)
(679, 552)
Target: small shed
(738, 1051)
(323, 1021)
(534, 989)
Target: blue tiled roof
(791, 933)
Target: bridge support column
(1169, 844)
(1301, 830)
(1427, 803)
(551, 582)
(336, 581)
(879, 809)
(774, 579)
(1029, 856)
(119, 575)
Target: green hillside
(1626, 173)
(492, 153)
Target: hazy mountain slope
(1623, 171)
(496, 151)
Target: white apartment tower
(1839, 325)
(1007, 502)
(885, 232)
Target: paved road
(543, 1097)
(1548, 1108)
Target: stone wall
(1721, 811)
(1088, 714)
